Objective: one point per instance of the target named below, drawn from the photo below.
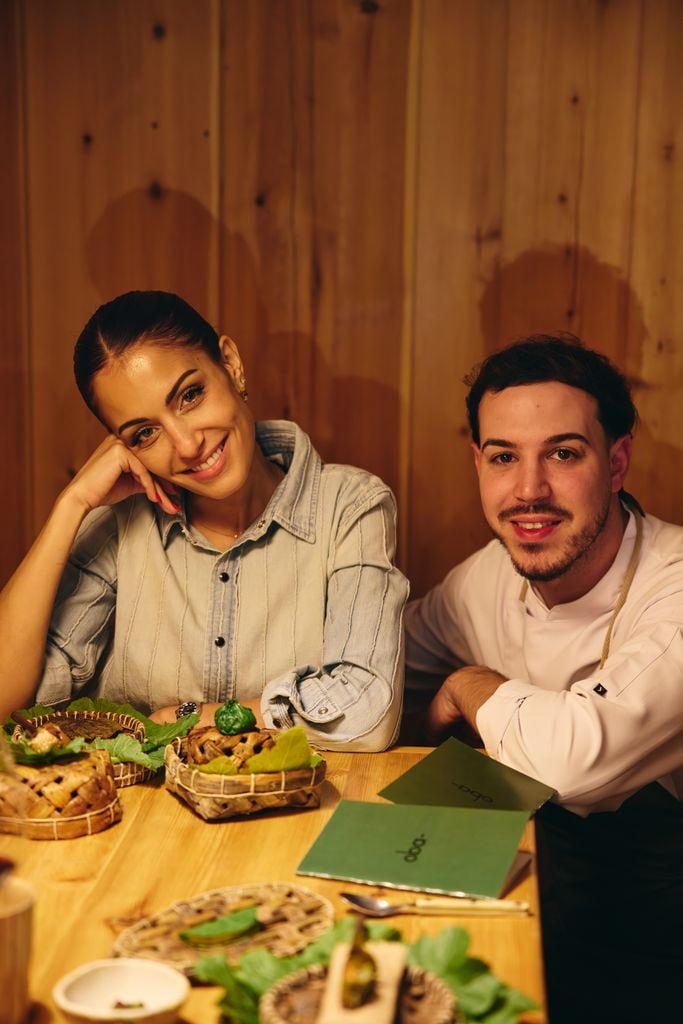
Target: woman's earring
(243, 389)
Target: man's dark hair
(161, 317)
(564, 358)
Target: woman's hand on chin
(113, 472)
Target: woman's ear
(231, 359)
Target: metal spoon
(375, 907)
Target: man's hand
(459, 698)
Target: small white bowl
(90, 992)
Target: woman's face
(181, 414)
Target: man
(566, 636)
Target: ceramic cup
(16, 911)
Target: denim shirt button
(220, 641)
(224, 577)
(277, 723)
(322, 711)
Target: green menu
(449, 850)
(455, 775)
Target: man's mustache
(533, 510)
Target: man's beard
(578, 547)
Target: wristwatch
(188, 707)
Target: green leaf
(122, 748)
(23, 753)
(221, 765)
(160, 735)
(442, 953)
(239, 1003)
(291, 751)
(222, 929)
(37, 711)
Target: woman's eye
(142, 437)
(192, 394)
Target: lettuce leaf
(23, 753)
(291, 750)
(122, 748)
(221, 765)
(223, 929)
(482, 998)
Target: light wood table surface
(161, 851)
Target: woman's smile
(211, 467)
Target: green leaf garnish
(291, 750)
(23, 753)
(223, 929)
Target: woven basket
(291, 915)
(217, 797)
(62, 800)
(423, 999)
(102, 725)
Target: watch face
(188, 707)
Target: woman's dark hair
(161, 317)
(562, 358)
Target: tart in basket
(101, 725)
(62, 800)
(216, 796)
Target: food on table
(285, 919)
(232, 717)
(61, 800)
(359, 973)
(353, 993)
(204, 745)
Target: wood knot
(155, 190)
(159, 30)
(369, 7)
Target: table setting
(219, 893)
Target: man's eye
(502, 458)
(563, 454)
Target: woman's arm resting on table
(26, 603)
(353, 700)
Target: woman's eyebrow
(169, 398)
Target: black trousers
(612, 911)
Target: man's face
(548, 478)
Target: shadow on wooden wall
(288, 374)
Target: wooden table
(161, 852)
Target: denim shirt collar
(294, 502)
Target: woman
(199, 556)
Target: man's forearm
(460, 697)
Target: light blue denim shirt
(306, 609)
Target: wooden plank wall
(369, 195)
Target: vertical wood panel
(121, 161)
(14, 367)
(314, 112)
(656, 353)
(458, 224)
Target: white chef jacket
(596, 735)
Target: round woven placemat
(291, 916)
